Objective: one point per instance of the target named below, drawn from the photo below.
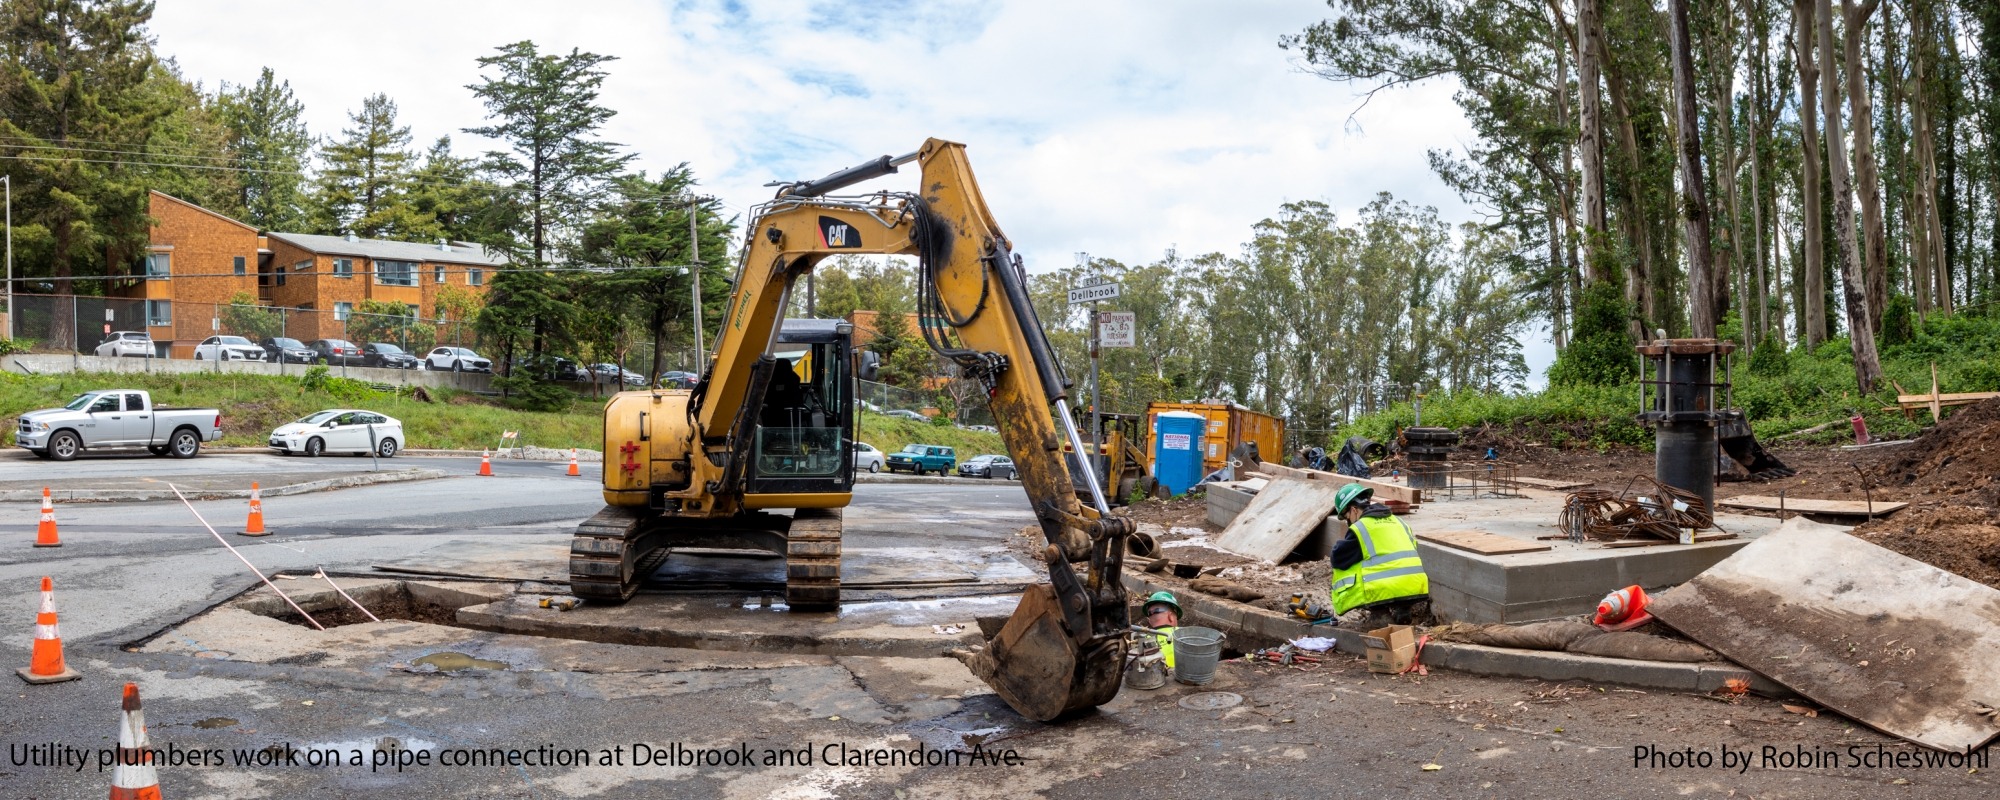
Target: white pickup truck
(109, 419)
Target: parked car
(340, 430)
(922, 458)
(457, 359)
(613, 372)
(117, 418)
(227, 348)
(902, 413)
(337, 352)
(678, 380)
(388, 356)
(282, 350)
(987, 466)
(127, 344)
(867, 457)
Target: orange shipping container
(1228, 426)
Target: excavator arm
(1063, 649)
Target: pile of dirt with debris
(1186, 511)
(1955, 460)
(1955, 538)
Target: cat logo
(833, 233)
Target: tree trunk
(1694, 197)
(1760, 297)
(1875, 265)
(1639, 267)
(1590, 139)
(1854, 287)
(1813, 312)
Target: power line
(483, 271)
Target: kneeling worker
(1376, 566)
(1163, 615)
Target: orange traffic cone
(134, 778)
(573, 471)
(45, 534)
(255, 527)
(45, 664)
(485, 464)
(1623, 610)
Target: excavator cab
(802, 441)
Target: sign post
(1099, 289)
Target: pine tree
(361, 182)
(268, 145)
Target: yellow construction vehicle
(770, 424)
(1121, 465)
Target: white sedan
(867, 457)
(228, 348)
(127, 344)
(340, 430)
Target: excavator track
(812, 559)
(605, 552)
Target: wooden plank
(1948, 398)
(1898, 645)
(1383, 490)
(1482, 542)
(1278, 518)
(1802, 505)
(1545, 483)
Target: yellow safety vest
(1166, 636)
(1389, 567)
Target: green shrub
(1600, 351)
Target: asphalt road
(128, 572)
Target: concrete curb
(153, 495)
(585, 457)
(1250, 627)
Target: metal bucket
(1196, 652)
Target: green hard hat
(1163, 597)
(1349, 495)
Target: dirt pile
(1955, 460)
(1954, 538)
(1189, 511)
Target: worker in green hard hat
(1375, 567)
(1163, 615)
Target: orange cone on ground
(485, 464)
(46, 665)
(1623, 610)
(45, 534)
(134, 778)
(255, 527)
(573, 471)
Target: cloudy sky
(1114, 127)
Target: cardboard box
(1392, 649)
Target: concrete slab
(1567, 579)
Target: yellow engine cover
(646, 437)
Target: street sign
(1116, 329)
(1094, 293)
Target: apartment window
(474, 277)
(159, 313)
(396, 273)
(280, 276)
(159, 266)
(343, 268)
(410, 310)
(341, 311)
(239, 266)
(437, 274)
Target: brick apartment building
(198, 259)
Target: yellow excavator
(770, 427)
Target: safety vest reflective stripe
(1388, 557)
(1391, 573)
(1343, 583)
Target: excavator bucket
(1039, 669)
(1735, 439)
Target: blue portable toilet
(1177, 449)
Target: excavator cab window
(805, 423)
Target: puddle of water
(215, 722)
(453, 662)
(925, 612)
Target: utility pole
(9, 181)
(694, 280)
(1096, 423)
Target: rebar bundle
(1662, 512)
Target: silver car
(127, 344)
(340, 430)
(867, 457)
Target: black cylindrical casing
(1428, 451)
(1684, 458)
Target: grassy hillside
(252, 405)
(1783, 392)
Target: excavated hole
(402, 600)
